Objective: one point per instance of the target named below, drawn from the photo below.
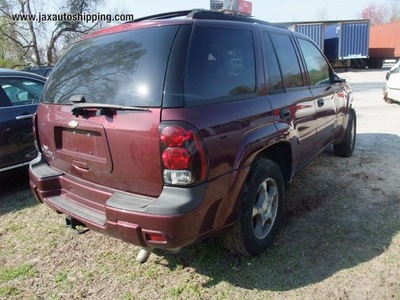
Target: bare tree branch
(40, 43)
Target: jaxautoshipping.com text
(79, 17)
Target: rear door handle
(285, 114)
(24, 117)
(80, 165)
(320, 102)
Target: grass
(332, 245)
(9, 291)
(22, 271)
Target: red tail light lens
(35, 133)
(176, 158)
(183, 155)
(174, 136)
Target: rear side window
(288, 61)
(274, 73)
(318, 68)
(126, 68)
(220, 66)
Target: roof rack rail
(167, 15)
(203, 14)
(226, 15)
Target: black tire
(346, 147)
(375, 63)
(362, 63)
(388, 100)
(358, 63)
(260, 210)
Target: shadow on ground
(393, 102)
(340, 213)
(15, 193)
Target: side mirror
(337, 79)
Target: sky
(267, 10)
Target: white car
(392, 90)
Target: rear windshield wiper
(77, 107)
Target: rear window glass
(126, 68)
(221, 66)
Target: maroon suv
(165, 131)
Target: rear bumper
(179, 216)
(392, 93)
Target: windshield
(126, 68)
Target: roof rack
(227, 15)
(167, 15)
(204, 14)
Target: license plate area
(83, 148)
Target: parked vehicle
(42, 70)
(392, 91)
(19, 95)
(353, 43)
(166, 130)
(345, 43)
(384, 43)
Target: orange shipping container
(384, 40)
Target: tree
(9, 54)
(322, 14)
(376, 13)
(395, 11)
(379, 14)
(72, 30)
(38, 42)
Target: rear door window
(126, 68)
(288, 61)
(220, 66)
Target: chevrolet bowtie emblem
(73, 124)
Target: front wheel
(346, 146)
(261, 209)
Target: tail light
(183, 155)
(35, 133)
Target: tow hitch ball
(76, 225)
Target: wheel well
(280, 153)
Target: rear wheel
(261, 209)
(346, 147)
(375, 63)
(358, 63)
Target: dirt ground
(364, 193)
(376, 158)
